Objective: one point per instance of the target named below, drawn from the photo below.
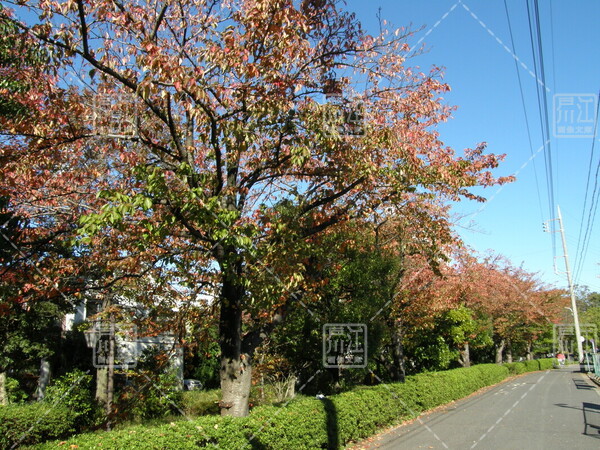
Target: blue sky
(469, 41)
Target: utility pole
(571, 290)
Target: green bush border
(517, 368)
(27, 424)
(305, 422)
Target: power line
(587, 186)
(543, 90)
(554, 85)
(512, 43)
(538, 59)
(593, 204)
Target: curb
(594, 378)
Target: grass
(201, 403)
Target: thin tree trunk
(110, 379)
(105, 370)
(529, 351)
(43, 380)
(398, 370)
(3, 394)
(101, 388)
(499, 351)
(509, 356)
(465, 356)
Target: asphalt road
(549, 410)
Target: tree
(220, 115)
(592, 316)
(29, 319)
(519, 307)
(587, 299)
(424, 292)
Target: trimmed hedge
(517, 368)
(306, 422)
(28, 424)
(548, 363)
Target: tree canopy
(194, 141)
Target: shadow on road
(564, 405)
(591, 417)
(582, 384)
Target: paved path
(541, 410)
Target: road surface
(556, 409)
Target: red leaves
(224, 124)
(510, 296)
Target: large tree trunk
(509, 356)
(499, 351)
(465, 356)
(529, 351)
(43, 380)
(236, 377)
(236, 367)
(398, 371)
(3, 394)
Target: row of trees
(168, 151)
(420, 316)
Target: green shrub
(74, 391)
(68, 407)
(517, 368)
(442, 387)
(306, 422)
(490, 373)
(548, 363)
(206, 361)
(28, 424)
(151, 391)
(14, 392)
(149, 396)
(531, 365)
